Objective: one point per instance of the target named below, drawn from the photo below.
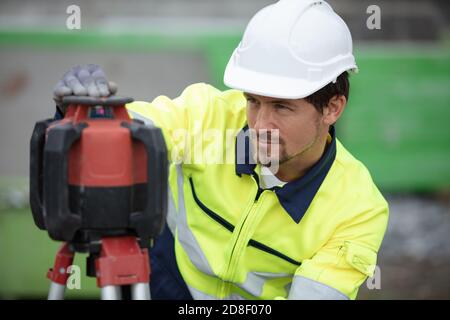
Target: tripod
(121, 262)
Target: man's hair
(320, 99)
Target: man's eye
(252, 102)
(281, 107)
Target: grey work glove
(83, 80)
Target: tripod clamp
(121, 262)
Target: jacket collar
(295, 196)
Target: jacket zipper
(230, 271)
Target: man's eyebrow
(275, 100)
(280, 101)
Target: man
(293, 214)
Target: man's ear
(334, 109)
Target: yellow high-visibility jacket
(313, 238)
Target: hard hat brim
(270, 85)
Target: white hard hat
(290, 50)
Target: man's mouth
(272, 142)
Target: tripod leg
(111, 293)
(56, 291)
(58, 274)
(140, 291)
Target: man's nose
(264, 119)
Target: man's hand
(84, 80)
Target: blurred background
(397, 120)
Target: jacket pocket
(361, 257)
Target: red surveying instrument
(98, 182)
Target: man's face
(292, 126)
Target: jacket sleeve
(339, 268)
(187, 120)
(174, 116)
